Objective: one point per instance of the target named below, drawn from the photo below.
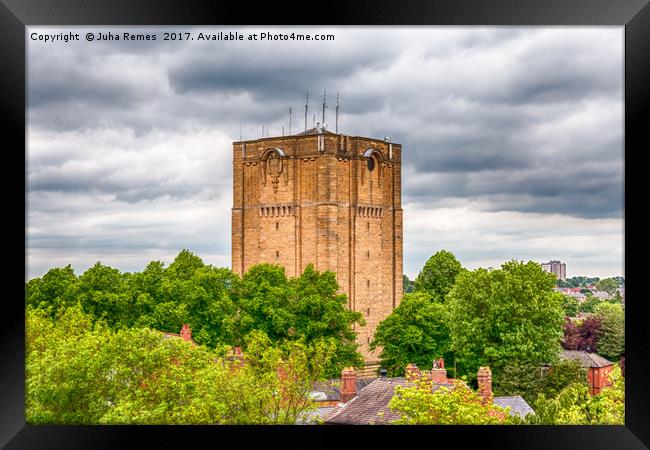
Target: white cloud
(483, 238)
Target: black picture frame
(15, 15)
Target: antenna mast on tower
(337, 112)
(306, 109)
(324, 105)
(289, 120)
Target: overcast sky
(512, 138)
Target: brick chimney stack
(484, 377)
(438, 372)
(412, 372)
(349, 384)
(186, 332)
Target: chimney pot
(348, 385)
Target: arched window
(374, 159)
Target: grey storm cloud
(508, 119)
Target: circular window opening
(371, 164)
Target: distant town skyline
(512, 138)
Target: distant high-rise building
(556, 267)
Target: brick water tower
(328, 199)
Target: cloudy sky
(512, 138)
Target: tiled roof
(331, 389)
(517, 404)
(314, 417)
(370, 406)
(586, 359)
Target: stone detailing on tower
(325, 199)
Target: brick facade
(598, 378)
(484, 379)
(327, 199)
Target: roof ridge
(591, 358)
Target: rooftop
(331, 390)
(586, 359)
(315, 130)
(517, 404)
(370, 406)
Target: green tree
(570, 306)
(575, 406)
(418, 405)
(219, 307)
(530, 380)
(210, 311)
(408, 285)
(80, 373)
(263, 298)
(54, 292)
(306, 307)
(416, 331)
(608, 285)
(616, 298)
(611, 343)
(321, 315)
(562, 374)
(102, 294)
(65, 374)
(501, 316)
(185, 265)
(438, 275)
(516, 378)
(589, 305)
(188, 291)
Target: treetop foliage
(416, 332)
(438, 275)
(505, 315)
(582, 335)
(78, 372)
(609, 285)
(220, 307)
(611, 342)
